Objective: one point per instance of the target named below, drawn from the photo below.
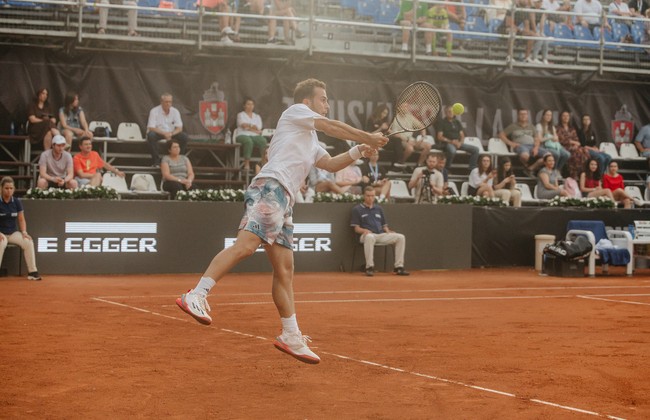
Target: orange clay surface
(483, 343)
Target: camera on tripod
(426, 194)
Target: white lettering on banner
(103, 244)
(47, 244)
(303, 243)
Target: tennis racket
(417, 108)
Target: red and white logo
(214, 115)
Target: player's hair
(6, 180)
(305, 89)
(368, 189)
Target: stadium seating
(635, 192)
(563, 32)
(399, 191)
(610, 149)
(388, 10)
(129, 132)
(476, 142)
(497, 147)
(629, 151)
(116, 182)
(582, 34)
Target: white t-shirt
(294, 148)
(589, 10)
(165, 122)
(243, 118)
(550, 5)
(621, 8)
(476, 179)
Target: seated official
(87, 164)
(368, 221)
(55, 166)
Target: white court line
(629, 302)
(382, 366)
(334, 292)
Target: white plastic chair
(526, 196)
(610, 149)
(476, 142)
(399, 190)
(129, 132)
(635, 192)
(452, 186)
(138, 181)
(629, 151)
(496, 146)
(619, 238)
(647, 194)
(116, 182)
(94, 124)
(463, 188)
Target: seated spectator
(378, 122)
(221, 6)
(642, 141)
(450, 137)
(72, 119)
(553, 18)
(441, 166)
(176, 169)
(438, 18)
(613, 181)
(132, 17)
(349, 179)
(548, 180)
(262, 162)
(248, 7)
(427, 181)
(568, 136)
(373, 176)
(542, 43)
(87, 165)
(55, 167)
(165, 124)
(500, 13)
(290, 27)
(249, 132)
(481, 178)
(42, 123)
(505, 183)
(620, 9)
(322, 181)
(590, 184)
(13, 227)
(589, 13)
(523, 23)
(305, 193)
(645, 38)
(521, 137)
(368, 220)
(405, 19)
(587, 137)
(546, 131)
(639, 7)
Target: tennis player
(269, 200)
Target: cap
(58, 139)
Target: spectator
(568, 136)
(642, 141)
(246, 7)
(638, 7)
(176, 169)
(262, 162)
(548, 180)
(587, 137)
(13, 227)
(132, 17)
(220, 6)
(72, 119)
(620, 9)
(438, 18)
(405, 19)
(503, 7)
(42, 124)
(645, 38)
(505, 183)
(613, 181)
(522, 24)
(373, 176)
(87, 165)
(322, 181)
(552, 18)
(520, 136)
(427, 192)
(590, 183)
(546, 131)
(165, 124)
(349, 179)
(249, 132)
(290, 27)
(368, 220)
(378, 122)
(441, 166)
(481, 178)
(589, 13)
(55, 167)
(540, 44)
(450, 137)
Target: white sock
(405, 46)
(428, 49)
(290, 325)
(204, 285)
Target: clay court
(482, 343)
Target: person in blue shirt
(642, 141)
(368, 221)
(13, 228)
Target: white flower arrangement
(211, 195)
(471, 200)
(591, 203)
(101, 192)
(342, 198)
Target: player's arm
(338, 162)
(341, 130)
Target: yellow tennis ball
(458, 108)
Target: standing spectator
(249, 132)
(368, 220)
(72, 119)
(481, 178)
(378, 122)
(568, 136)
(590, 181)
(373, 176)
(13, 227)
(589, 12)
(290, 27)
(438, 18)
(405, 19)
(176, 169)
(165, 124)
(613, 181)
(87, 165)
(427, 181)
(132, 17)
(450, 137)
(520, 136)
(548, 180)
(505, 183)
(546, 131)
(642, 141)
(587, 137)
(55, 166)
(42, 124)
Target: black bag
(570, 250)
(101, 132)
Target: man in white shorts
(269, 200)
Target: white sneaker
(196, 306)
(545, 61)
(226, 40)
(228, 30)
(296, 345)
(637, 202)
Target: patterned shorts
(268, 212)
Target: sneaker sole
(285, 349)
(179, 302)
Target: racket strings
(418, 107)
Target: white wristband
(355, 153)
